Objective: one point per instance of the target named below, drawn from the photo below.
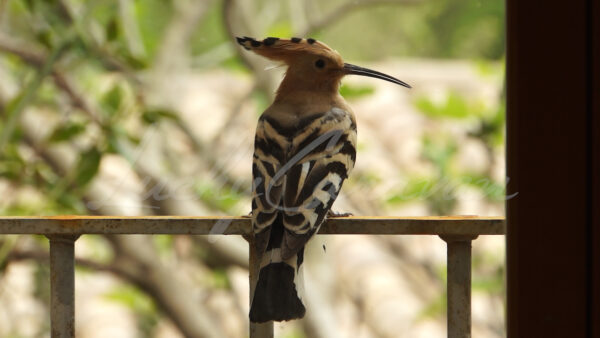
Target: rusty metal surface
(459, 285)
(460, 225)
(62, 285)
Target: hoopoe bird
(304, 149)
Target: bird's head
(311, 63)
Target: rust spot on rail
(67, 221)
(63, 217)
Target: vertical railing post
(62, 285)
(263, 330)
(459, 285)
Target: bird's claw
(331, 213)
(247, 216)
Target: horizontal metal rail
(62, 231)
(78, 225)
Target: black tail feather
(275, 297)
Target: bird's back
(300, 162)
(302, 155)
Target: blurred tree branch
(134, 262)
(110, 62)
(28, 95)
(238, 23)
(162, 285)
(37, 59)
(131, 28)
(43, 257)
(346, 8)
(222, 250)
(137, 260)
(175, 44)
(137, 255)
(159, 281)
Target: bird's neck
(294, 88)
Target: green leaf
(415, 189)
(27, 96)
(164, 244)
(66, 132)
(489, 285)
(29, 5)
(281, 28)
(154, 16)
(354, 92)
(491, 128)
(87, 166)
(111, 100)
(439, 151)
(492, 190)
(112, 29)
(454, 107)
(368, 179)
(12, 170)
(224, 199)
(261, 100)
(142, 305)
(151, 116)
(70, 202)
(220, 279)
(114, 133)
(132, 298)
(45, 38)
(485, 68)
(235, 64)
(135, 62)
(294, 333)
(435, 309)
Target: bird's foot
(248, 216)
(331, 213)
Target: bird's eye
(320, 63)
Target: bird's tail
(276, 295)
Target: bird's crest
(287, 49)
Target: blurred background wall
(127, 107)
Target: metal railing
(63, 231)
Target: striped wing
(298, 173)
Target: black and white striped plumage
(298, 172)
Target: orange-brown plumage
(302, 77)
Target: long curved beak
(356, 70)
